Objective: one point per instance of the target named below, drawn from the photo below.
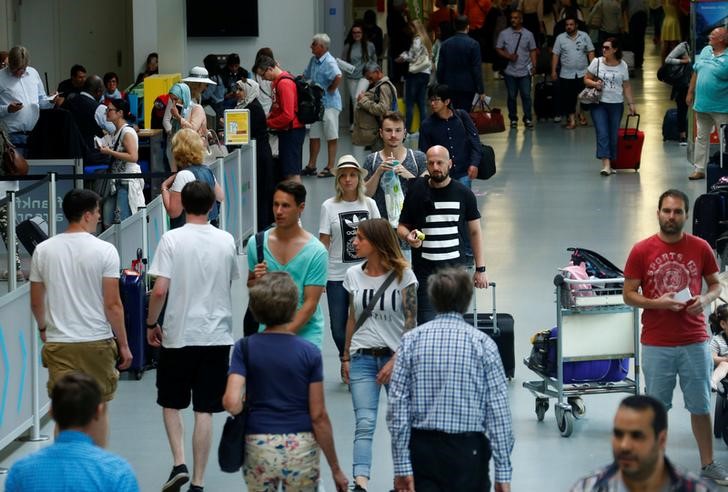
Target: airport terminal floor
(546, 196)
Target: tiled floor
(546, 196)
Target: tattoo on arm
(409, 306)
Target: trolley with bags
(588, 351)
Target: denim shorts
(694, 365)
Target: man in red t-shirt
(669, 268)
(282, 118)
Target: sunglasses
(606, 47)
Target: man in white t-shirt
(194, 266)
(74, 296)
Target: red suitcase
(629, 146)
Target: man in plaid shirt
(448, 400)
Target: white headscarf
(251, 89)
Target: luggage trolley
(593, 324)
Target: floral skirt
(288, 459)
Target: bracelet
(345, 360)
(164, 189)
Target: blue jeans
(607, 117)
(693, 363)
(338, 300)
(415, 92)
(365, 398)
(120, 202)
(516, 85)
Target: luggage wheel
(564, 420)
(578, 407)
(139, 374)
(542, 406)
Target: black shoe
(195, 488)
(179, 476)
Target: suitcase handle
(636, 128)
(496, 330)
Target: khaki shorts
(97, 359)
(328, 128)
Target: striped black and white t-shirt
(441, 214)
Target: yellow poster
(237, 127)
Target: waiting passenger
(71, 87)
(182, 112)
(374, 329)
(231, 74)
(111, 84)
(124, 155)
(188, 151)
(443, 403)
(151, 67)
(76, 460)
(282, 376)
(78, 319)
(90, 116)
(639, 439)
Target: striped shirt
(448, 377)
(442, 214)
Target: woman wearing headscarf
(247, 95)
(181, 113)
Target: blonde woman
(188, 150)
(340, 217)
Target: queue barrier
(23, 396)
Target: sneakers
(715, 472)
(179, 476)
(683, 142)
(529, 124)
(557, 119)
(195, 488)
(514, 124)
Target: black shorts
(196, 373)
(290, 151)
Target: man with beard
(574, 50)
(638, 444)
(663, 276)
(437, 206)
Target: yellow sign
(237, 127)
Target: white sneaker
(715, 472)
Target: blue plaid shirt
(448, 377)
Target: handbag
(13, 164)
(486, 168)
(373, 301)
(487, 119)
(591, 95)
(421, 64)
(676, 75)
(231, 450)
(215, 149)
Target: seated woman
(281, 382)
(128, 194)
(188, 151)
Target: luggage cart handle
(560, 280)
(496, 330)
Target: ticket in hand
(683, 296)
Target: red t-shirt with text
(663, 267)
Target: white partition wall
(157, 224)
(248, 195)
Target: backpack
(310, 107)
(378, 90)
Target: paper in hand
(683, 296)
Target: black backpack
(310, 108)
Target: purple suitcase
(589, 371)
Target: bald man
(708, 93)
(437, 205)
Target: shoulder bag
(373, 301)
(13, 163)
(591, 95)
(103, 186)
(231, 450)
(486, 166)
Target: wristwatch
(480, 269)
(154, 325)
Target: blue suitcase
(669, 126)
(133, 296)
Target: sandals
(308, 171)
(325, 173)
(583, 121)
(571, 125)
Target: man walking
(517, 45)
(371, 105)
(74, 296)
(708, 93)
(76, 460)
(323, 71)
(440, 207)
(459, 68)
(574, 50)
(289, 247)
(192, 260)
(664, 276)
(639, 439)
(443, 403)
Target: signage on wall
(237, 127)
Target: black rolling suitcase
(544, 100)
(501, 332)
(717, 167)
(31, 232)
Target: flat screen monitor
(222, 18)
